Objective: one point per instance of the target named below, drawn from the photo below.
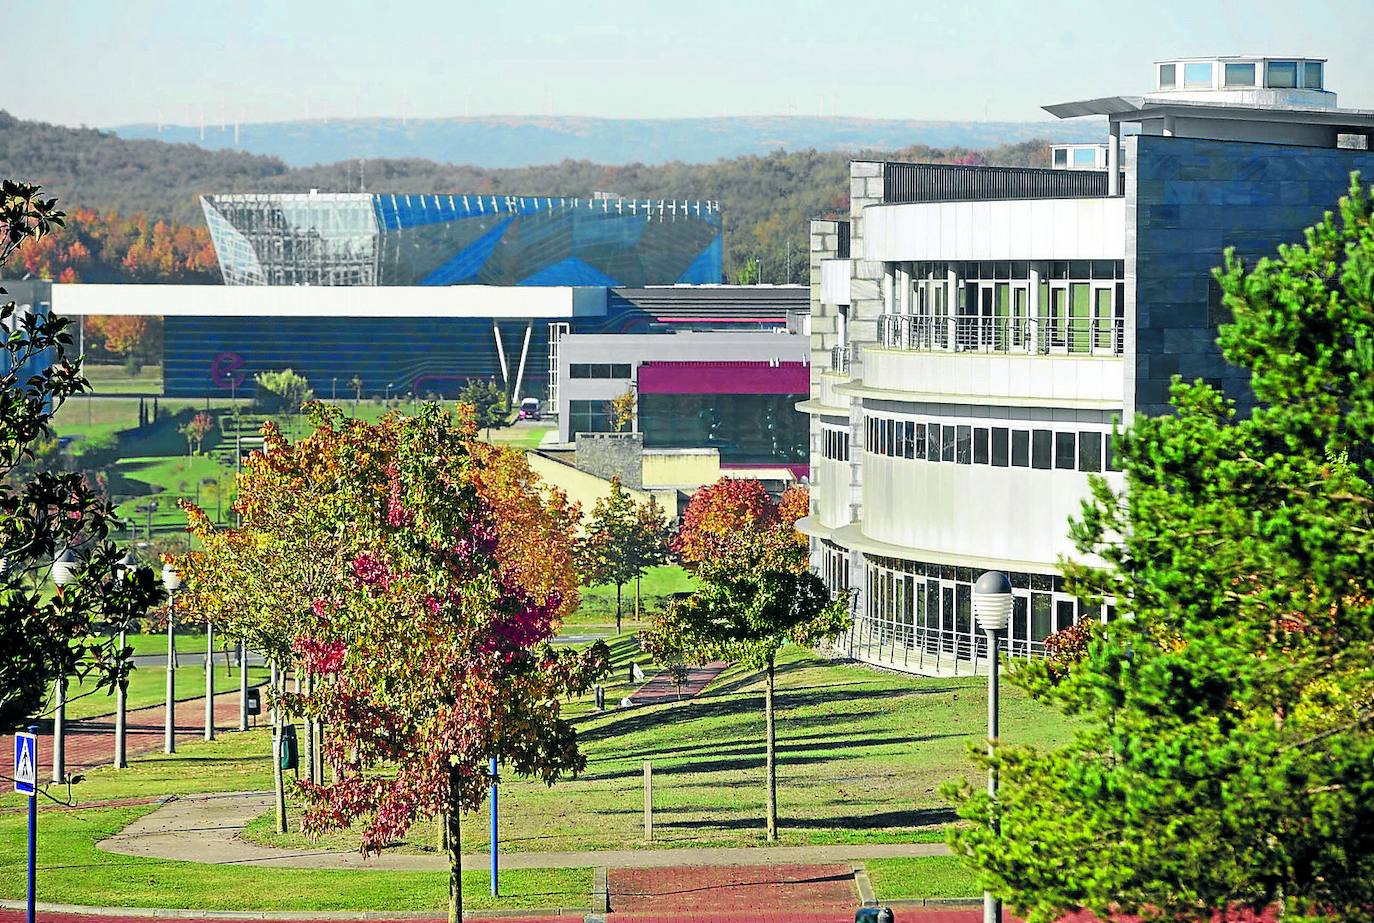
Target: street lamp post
(209, 680)
(171, 581)
(121, 755)
(65, 567)
(992, 603)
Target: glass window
(1197, 74)
(1109, 455)
(579, 370)
(745, 428)
(1041, 619)
(1089, 451)
(1167, 78)
(980, 445)
(1020, 448)
(1041, 447)
(1000, 446)
(1312, 75)
(919, 441)
(1281, 74)
(947, 444)
(1061, 157)
(892, 427)
(1240, 75)
(1063, 614)
(601, 370)
(963, 447)
(1085, 157)
(933, 442)
(620, 370)
(908, 439)
(1064, 451)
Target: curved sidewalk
(206, 828)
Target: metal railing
(920, 647)
(968, 333)
(941, 182)
(839, 359)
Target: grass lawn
(921, 877)
(115, 379)
(658, 583)
(72, 870)
(861, 756)
(148, 686)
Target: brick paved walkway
(661, 688)
(90, 741)
(719, 893)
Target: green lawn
(921, 877)
(72, 870)
(861, 756)
(658, 583)
(148, 686)
(115, 379)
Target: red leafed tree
(720, 513)
(429, 654)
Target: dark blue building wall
(1187, 200)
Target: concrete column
(1168, 126)
(889, 287)
(1113, 157)
(902, 303)
(1033, 306)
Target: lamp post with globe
(121, 756)
(992, 605)
(171, 582)
(65, 568)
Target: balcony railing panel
(940, 182)
(967, 333)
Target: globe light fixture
(65, 567)
(992, 605)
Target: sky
(123, 61)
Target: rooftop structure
(320, 238)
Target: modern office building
(977, 332)
(735, 392)
(386, 239)
(401, 340)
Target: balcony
(938, 182)
(839, 360)
(1074, 336)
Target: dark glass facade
(763, 429)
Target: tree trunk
(278, 774)
(308, 756)
(771, 759)
(617, 608)
(455, 852)
(639, 616)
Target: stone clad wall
(1187, 200)
(609, 455)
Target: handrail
(1088, 336)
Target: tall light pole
(209, 680)
(171, 581)
(65, 567)
(121, 755)
(992, 602)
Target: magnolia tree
(1225, 749)
(426, 628)
(755, 593)
(47, 637)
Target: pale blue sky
(144, 60)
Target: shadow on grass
(925, 817)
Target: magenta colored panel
(724, 378)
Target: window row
(834, 567)
(1282, 75)
(991, 270)
(835, 444)
(599, 370)
(589, 417)
(998, 446)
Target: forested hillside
(765, 200)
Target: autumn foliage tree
(756, 593)
(109, 247)
(443, 571)
(622, 540)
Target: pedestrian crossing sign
(25, 763)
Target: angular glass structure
(391, 239)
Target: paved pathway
(205, 828)
(90, 741)
(661, 688)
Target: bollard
(648, 801)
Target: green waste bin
(287, 750)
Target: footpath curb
(165, 913)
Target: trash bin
(873, 915)
(287, 751)
(254, 702)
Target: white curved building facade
(977, 332)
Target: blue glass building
(391, 239)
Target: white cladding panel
(835, 281)
(1019, 514)
(1019, 229)
(832, 496)
(330, 301)
(997, 375)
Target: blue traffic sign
(25, 763)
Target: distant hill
(522, 141)
(766, 199)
